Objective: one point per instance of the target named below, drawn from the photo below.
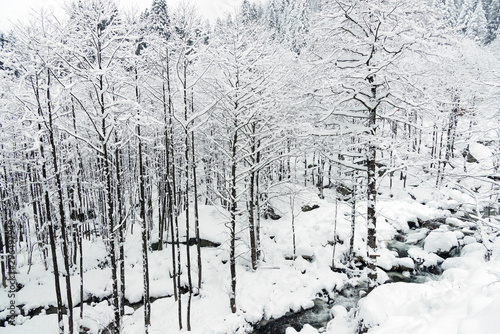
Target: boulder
(269, 213)
(344, 190)
(307, 208)
(203, 243)
(442, 243)
(413, 225)
(432, 224)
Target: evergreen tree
(159, 19)
(477, 24)
(3, 44)
(249, 12)
(297, 25)
(466, 11)
(273, 16)
(493, 17)
(452, 11)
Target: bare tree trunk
(122, 226)
(145, 265)
(186, 175)
(440, 164)
(305, 169)
(62, 215)
(177, 245)
(196, 215)
(292, 206)
(434, 146)
(2, 260)
(80, 243)
(55, 266)
(321, 171)
(353, 217)
(52, 240)
(232, 255)
(257, 201)
(170, 177)
(3, 217)
(335, 227)
(39, 217)
(144, 225)
(371, 219)
(80, 218)
(251, 202)
(110, 207)
(450, 142)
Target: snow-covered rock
(340, 323)
(469, 240)
(478, 152)
(441, 242)
(455, 222)
(423, 258)
(307, 329)
(466, 299)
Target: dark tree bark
(109, 206)
(121, 228)
(53, 247)
(175, 213)
(144, 225)
(196, 216)
(2, 261)
(371, 218)
(79, 211)
(232, 255)
(186, 189)
(257, 199)
(62, 215)
(251, 200)
(353, 217)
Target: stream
(319, 315)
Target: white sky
(12, 11)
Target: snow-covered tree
(94, 70)
(297, 25)
(370, 48)
(493, 17)
(477, 25)
(250, 12)
(451, 9)
(465, 14)
(244, 76)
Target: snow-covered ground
(464, 299)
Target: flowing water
(319, 315)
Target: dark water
(317, 316)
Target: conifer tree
(477, 26)
(493, 17)
(466, 11)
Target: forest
(312, 166)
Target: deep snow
(465, 299)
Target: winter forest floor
(432, 269)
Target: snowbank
(465, 300)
